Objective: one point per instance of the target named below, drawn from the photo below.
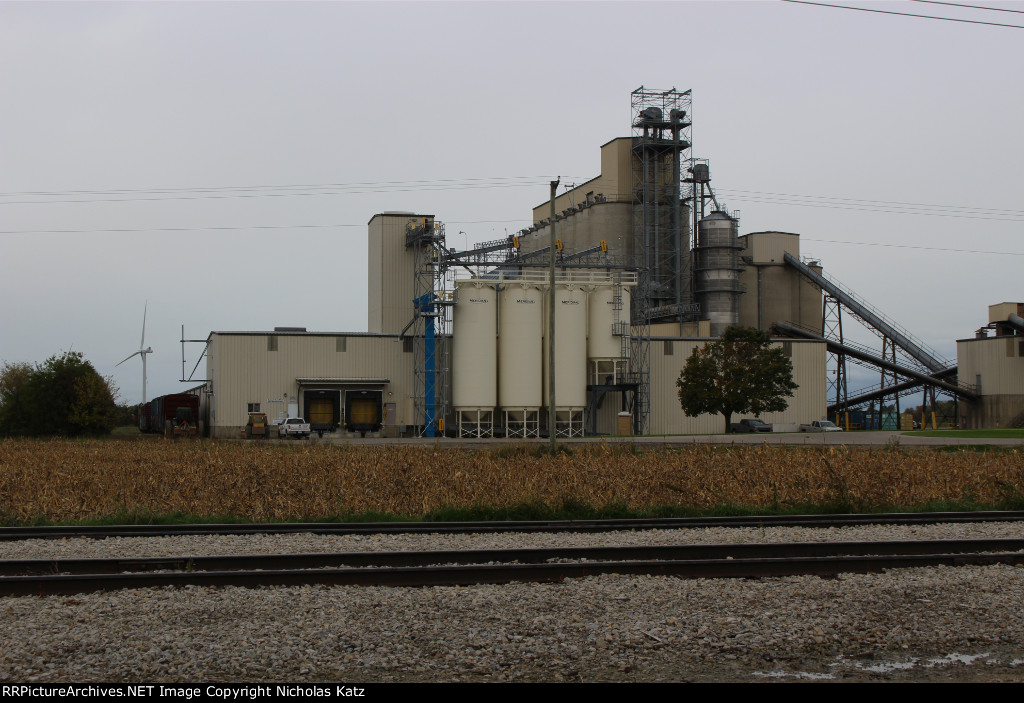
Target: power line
(255, 191)
(871, 206)
(136, 230)
(115, 191)
(972, 7)
(894, 209)
(764, 197)
(878, 202)
(460, 222)
(913, 246)
(902, 14)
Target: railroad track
(495, 566)
(338, 528)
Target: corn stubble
(64, 481)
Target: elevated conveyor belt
(836, 347)
(866, 396)
(870, 316)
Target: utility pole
(551, 325)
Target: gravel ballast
(962, 624)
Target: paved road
(860, 439)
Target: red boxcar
(174, 414)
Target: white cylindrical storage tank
(608, 305)
(570, 347)
(520, 315)
(475, 346)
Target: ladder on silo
(620, 328)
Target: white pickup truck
(821, 426)
(293, 427)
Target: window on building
(787, 349)
(271, 342)
(407, 345)
(253, 408)
(669, 350)
(340, 344)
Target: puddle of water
(793, 674)
(886, 667)
(955, 658)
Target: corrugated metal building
(309, 374)
(994, 366)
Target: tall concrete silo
(520, 314)
(570, 358)
(475, 357)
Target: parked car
(821, 426)
(750, 425)
(293, 427)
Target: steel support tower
(661, 243)
(832, 325)
(431, 325)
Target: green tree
(62, 396)
(14, 390)
(739, 373)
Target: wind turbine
(143, 350)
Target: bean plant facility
(648, 266)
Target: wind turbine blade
(142, 344)
(126, 359)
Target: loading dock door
(364, 411)
(321, 411)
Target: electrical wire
(356, 188)
(291, 190)
(875, 202)
(912, 246)
(894, 210)
(972, 7)
(134, 230)
(902, 14)
(271, 187)
(462, 222)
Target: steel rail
(341, 528)
(465, 575)
(532, 555)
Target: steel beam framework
(431, 325)
(661, 124)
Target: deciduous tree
(62, 396)
(739, 373)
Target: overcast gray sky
(155, 151)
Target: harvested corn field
(65, 481)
